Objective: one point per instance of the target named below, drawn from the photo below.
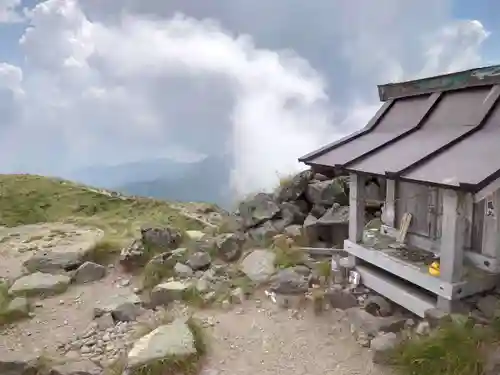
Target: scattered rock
(80, 367)
(161, 238)
(237, 296)
(327, 192)
(489, 306)
(436, 317)
(423, 328)
(40, 284)
(57, 261)
(294, 188)
(229, 246)
(259, 265)
(383, 346)
(195, 234)
(174, 340)
(165, 293)
(258, 209)
(183, 270)
(133, 256)
(362, 321)
(199, 261)
(289, 281)
(378, 306)
(341, 299)
(89, 272)
(18, 308)
(121, 307)
(19, 364)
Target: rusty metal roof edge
(372, 124)
(432, 102)
(481, 76)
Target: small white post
(389, 217)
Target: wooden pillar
(452, 236)
(389, 217)
(356, 207)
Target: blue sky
(108, 81)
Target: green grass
(288, 257)
(30, 199)
(457, 348)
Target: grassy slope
(29, 199)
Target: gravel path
(266, 340)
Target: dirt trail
(266, 339)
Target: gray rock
(79, 367)
(18, 308)
(318, 210)
(294, 188)
(174, 340)
(436, 317)
(258, 209)
(293, 231)
(377, 305)
(133, 256)
(423, 328)
(237, 295)
(292, 213)
(183, 270)
(263, 233)
(165, 293)
(161, 238)
(52, 261)
(39, 284)
(121, 307)
(489, 306)
(320, 177)
(229, 246)
(335, 215)
(383, 346)
(259, 265)
(89, 272)
(199, 261)
(19, 363)
(328, 192)
(341, 299)
(289, 281)
(105, 321)
(361, 321)
(195, 234)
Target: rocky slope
(186, 273)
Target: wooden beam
(452, 237)
(356, 207)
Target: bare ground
(257, 337)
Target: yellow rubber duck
(434, 268)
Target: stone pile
(309, 204)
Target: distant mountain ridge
(204, 181)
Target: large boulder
(328, 192)
(161, 238)
(259, 265)
(263, 233)
(173, 341)
(332, 227)
(19, 363)
(40, 284)
(295, 187)
(229, 246)
(56, 261)
(257, 209)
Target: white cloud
(8, 11)
(116, 91)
